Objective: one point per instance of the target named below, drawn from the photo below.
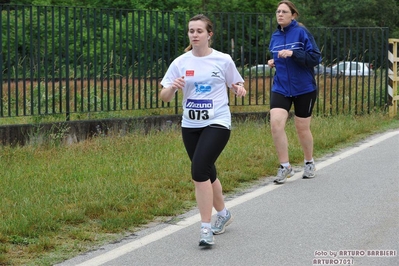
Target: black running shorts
(303, 104)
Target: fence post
(67, 88)
(393, 58)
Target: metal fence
(64, 60)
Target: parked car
(352, 68)
(260, 71)
(321, 69)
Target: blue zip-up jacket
(294, 75)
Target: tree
(344, 13)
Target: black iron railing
(63, 60)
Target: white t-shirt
(205, 99)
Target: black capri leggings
(203, 146)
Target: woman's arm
(310, 56)
(167, 93)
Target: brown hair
(209, 27)
(291, 6)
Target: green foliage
(53, 42)
(250, 6)
(314, 13)
(343, 13)
(50, 42)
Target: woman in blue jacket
(295, 54)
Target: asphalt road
(347, 215)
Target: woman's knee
(202, 173)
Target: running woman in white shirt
(203, 75)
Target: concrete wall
(75, 131)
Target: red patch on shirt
(190, 73)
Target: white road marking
(120, 251)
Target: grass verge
(59, 201)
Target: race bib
(199, 109)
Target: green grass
(58, 201)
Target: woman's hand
(168, 93)
(270, 63)
(238, 89)
(178, 83)
(284, 53)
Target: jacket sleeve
(310, 56)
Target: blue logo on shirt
(202, 88)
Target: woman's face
(284, 15)
(198, 34)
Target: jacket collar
(290, 26)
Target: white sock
(206, 225)
(286, 165)
(223, 212)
